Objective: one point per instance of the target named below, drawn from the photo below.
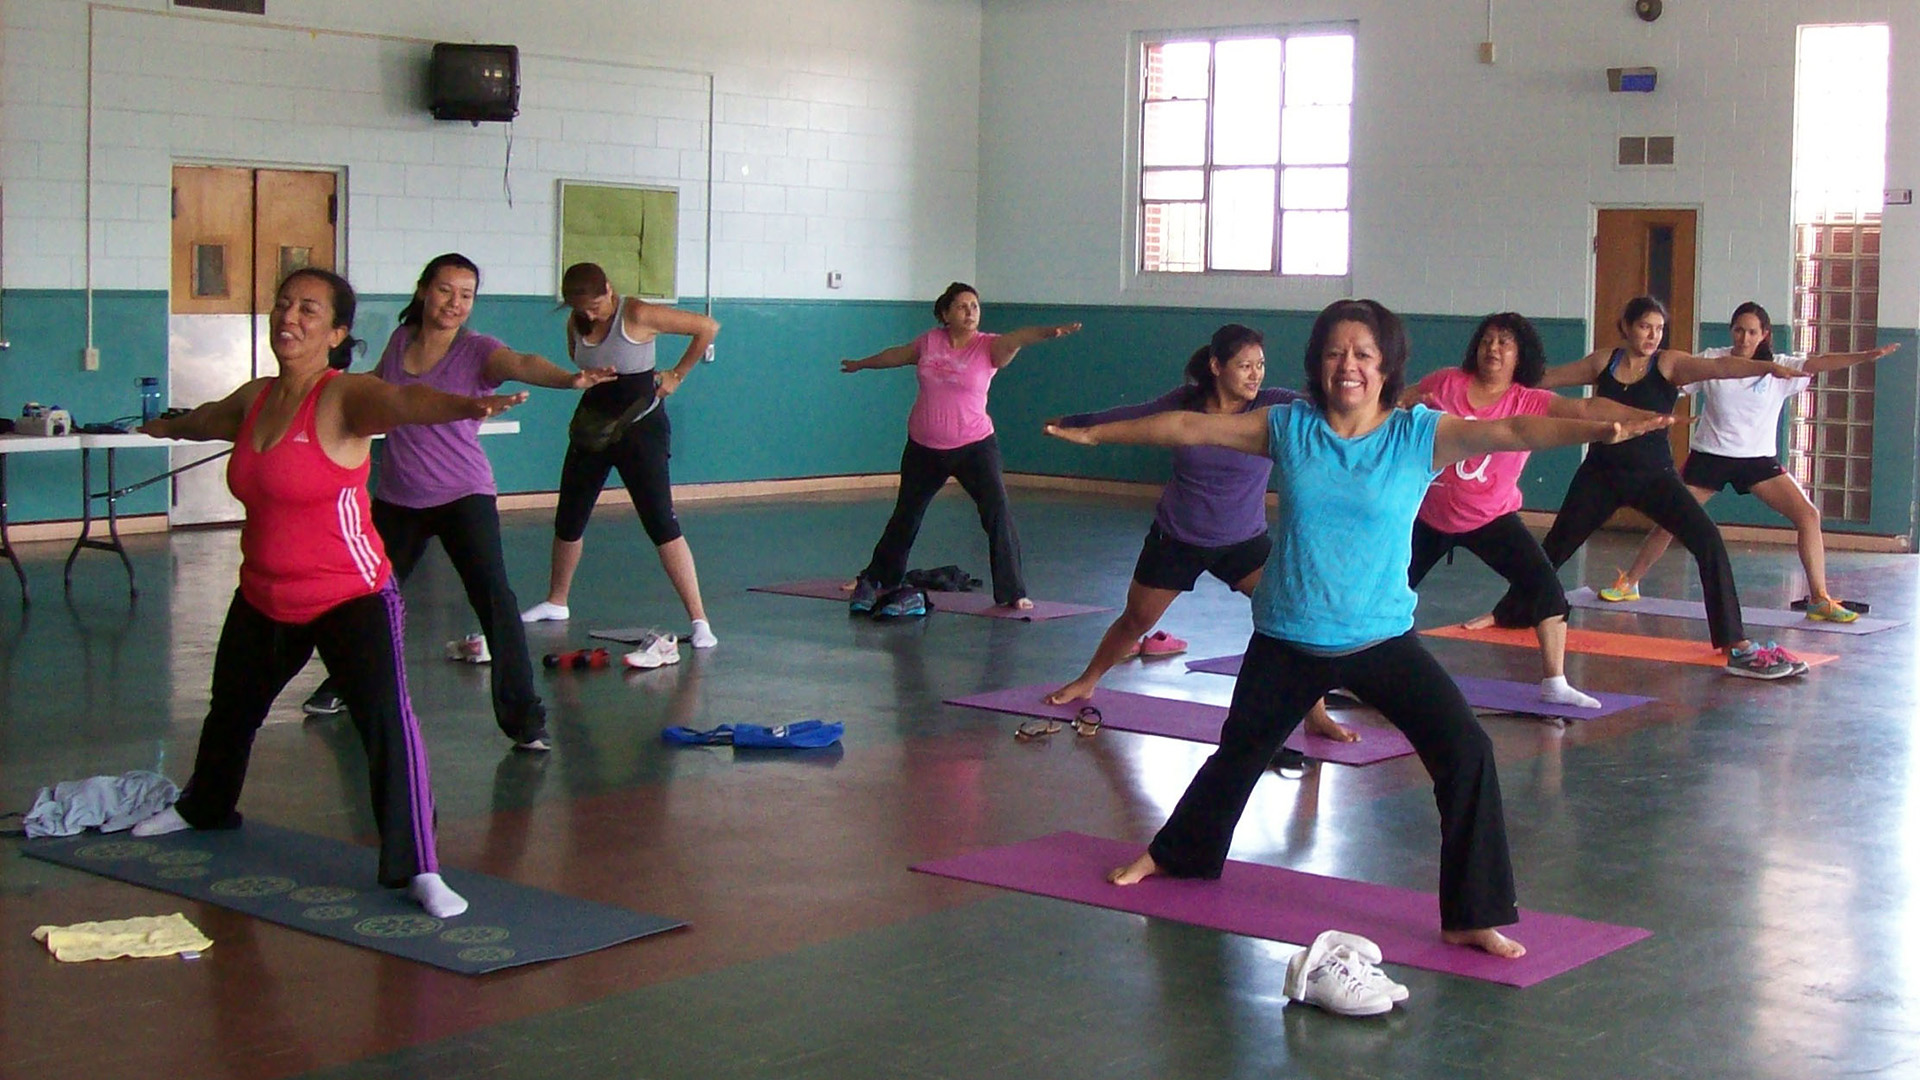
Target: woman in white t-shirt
(1735, 443)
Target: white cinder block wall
(1473, 186)
(845, 135)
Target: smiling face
(447, 300)
(1497, 357)
(303, 321)
(1644, 334)
(1748, 335)
(1350, 375)
(1238, 379)
(963, 312)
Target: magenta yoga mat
(1497, 695)
(1285, 905)
(1189, 720)
(964, 603)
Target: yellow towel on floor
(148, 935)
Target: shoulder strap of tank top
(244, 437)
(1613, 362)
(307, 418)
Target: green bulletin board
(632, 232)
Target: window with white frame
(1245, 152)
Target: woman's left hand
(593, 376)
(667, 382)
(1061, 330)
(494, 404)
(1083, 436)
(1633, 429)
(1782, 371)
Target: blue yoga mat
(329, 887)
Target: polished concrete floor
(1768, 836)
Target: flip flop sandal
(1086, 723)
(1030, 730)
(1289, 763)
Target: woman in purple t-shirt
(950, 435)
(436, 481)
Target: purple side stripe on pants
(413, 745)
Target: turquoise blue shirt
(1337, 577)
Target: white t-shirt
(1740, 418)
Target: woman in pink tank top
(314, 575)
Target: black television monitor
(474, 82)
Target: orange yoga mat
(1605, 643)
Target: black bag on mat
(942, 579)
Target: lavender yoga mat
(1190, 720)
(1585, 597)
(964, 603)
(1285, 905)
(1497, 695)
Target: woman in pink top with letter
(1475, 503)
(949, 434)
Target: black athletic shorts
(1166, 563)
(1713, 472)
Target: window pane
(1246, 102)
(1171, 237)
(1314, 135)
(1174, 133)
(1320, 70)
(1172, 184)
(1313, 189)
(1313, 242)
(1176, 69)
(1242, 219)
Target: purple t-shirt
(426, 465)
(1217, 497)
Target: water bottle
(149, 398)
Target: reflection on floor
(1764, 833)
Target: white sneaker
(656, 650)
(546, 612)
(1373, 977)
(471, 649)
(1334, 981)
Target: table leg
(6, 542)
(112, 496)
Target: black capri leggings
(1596, 492)
(640, 454)
(1509, 550)
(1397, 676)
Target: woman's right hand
(1083, 436)
(593, 376)
(848, 367)
(494, 404)
(1622, 430)
(155, 428)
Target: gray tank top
(616, 350)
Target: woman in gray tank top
(622, 425)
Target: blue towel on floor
(799, 735)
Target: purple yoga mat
(1585, 597)
(1190, 720)
(1285, 905)
(964, 603)
(1497, 695)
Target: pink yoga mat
(1497, 695)
(964, 603)
(1188, 720)
(1285, 905)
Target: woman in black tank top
(1639, 473)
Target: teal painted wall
(775, 405)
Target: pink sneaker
(1161, 643)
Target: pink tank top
(308, 544)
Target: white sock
(162, 823)
(433, 895)
(545, 612)
(703, 635)
(1557, 691)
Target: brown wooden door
(293, 227)
(212, 241)
(1647, 253)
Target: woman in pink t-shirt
(950, 435)
(1475, 503)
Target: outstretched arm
(1595, 408)
(662, 319)
(1007, 346)
(1683, 368)
(1245, 432)
(898, 356)
(1169, 400)
(216, 421)
(505, 365)
(1459, 439)
(1835, 361)
(1579, 373)
(369, 406)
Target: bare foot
(1077, 690)
(1022, 604)
(1479, 622)
(1488, 940)
(849, 586)
(1138, 870)
(1323, 726)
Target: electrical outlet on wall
(1487, 52)
(90, 359)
